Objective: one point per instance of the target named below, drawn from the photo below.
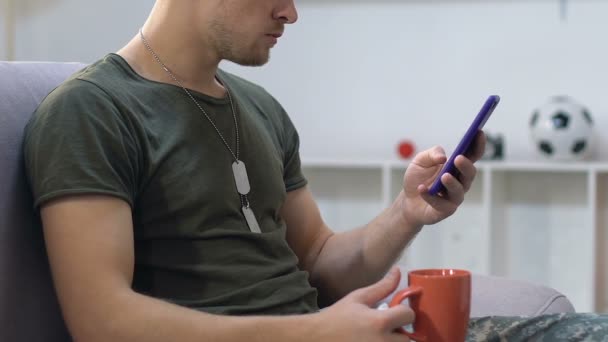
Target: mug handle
(400, 297)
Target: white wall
(358, 76)
(76, 30)
(4, 54)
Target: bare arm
(340, 263)
(90, 247)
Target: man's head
(241, 31)
(244, 30)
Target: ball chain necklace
(238, 167)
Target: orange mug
(441, 299)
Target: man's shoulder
(94, 79)
(105, 73)
(87, 94)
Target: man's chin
(252, 61)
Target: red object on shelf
(406, 149)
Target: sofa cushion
(28, 305)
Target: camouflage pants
(557, 327)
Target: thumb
(374, 293)
(430, 157)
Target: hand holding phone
(437, 187)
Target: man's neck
(189, 60)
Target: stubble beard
(231, 49)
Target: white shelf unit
(542, 222)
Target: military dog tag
(242, 186)
(240, 177)
(252, 222)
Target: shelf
(537, 221)
(352, 163)
(347, 198)
(601, 225)
(543, 166)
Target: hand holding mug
(441, 299)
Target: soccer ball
(562, 129)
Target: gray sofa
(28, 306)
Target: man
(174, 207)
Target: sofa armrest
(498, 296)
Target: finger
(397, 336)
(479, 147)
(467, 171)
(444, 202)
(430, 157)
(433, 201)
(454, 189)
(398, 316)
(374, 293)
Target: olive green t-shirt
(109, 131)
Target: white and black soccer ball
(562, 129)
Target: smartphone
(437, 187)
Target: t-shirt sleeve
(292, 166)
(78, 142)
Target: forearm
(386, 237)
(360, 257)
(133, 317)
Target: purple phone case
(466, 141)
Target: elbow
(83, 330)
(92, 328)
(98, 321)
